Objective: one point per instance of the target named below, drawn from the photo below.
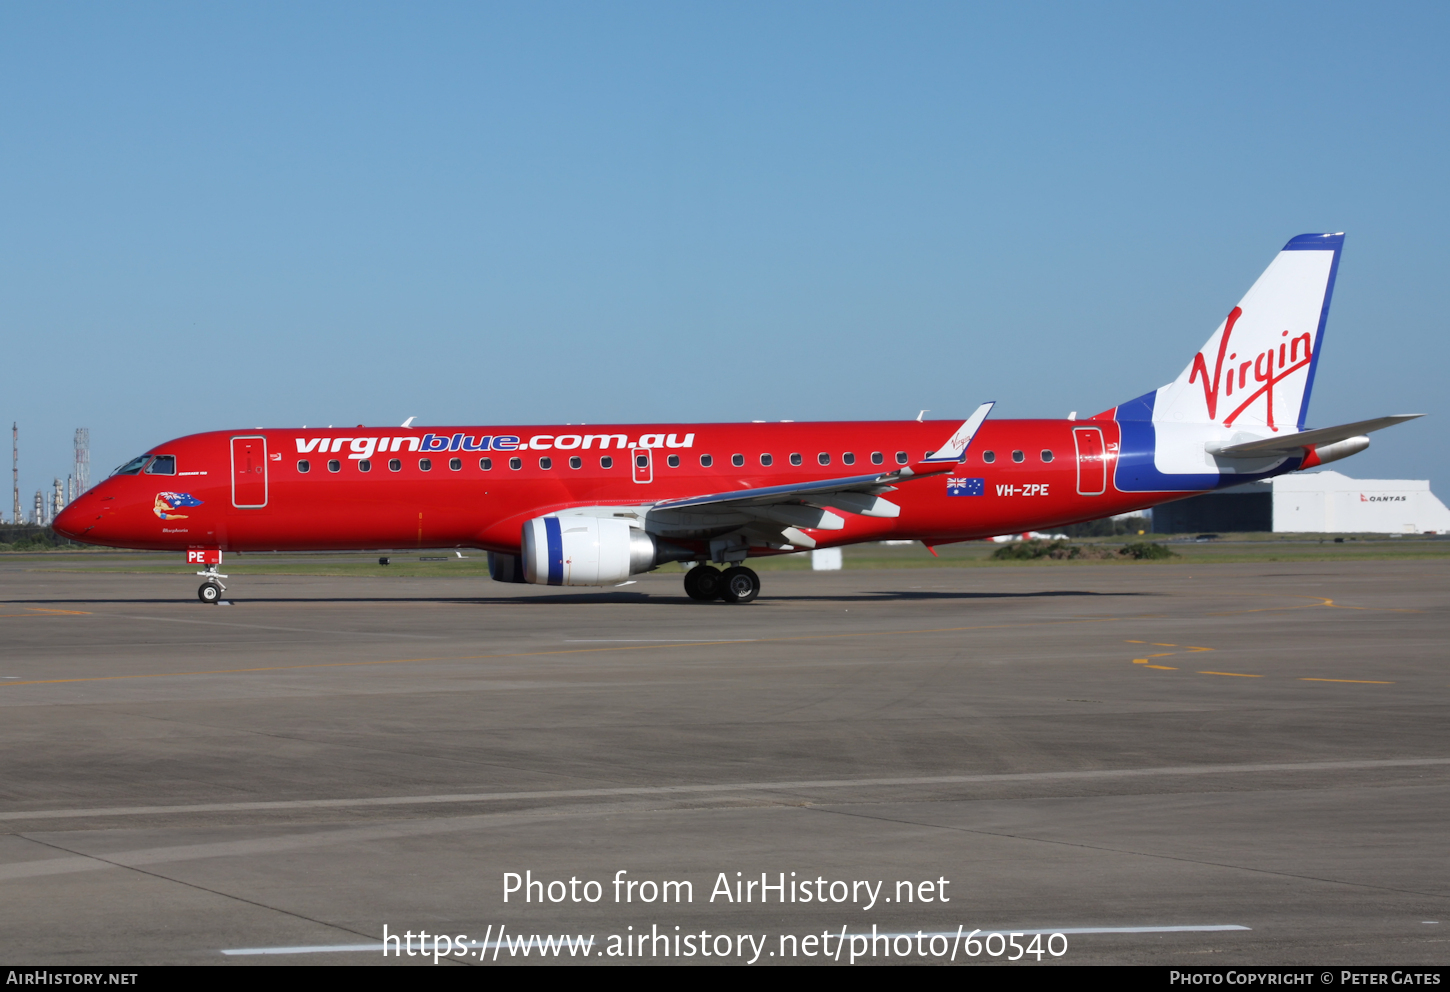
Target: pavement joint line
(566, 651)
(200, 888)
(1125, 851)
(948, 934)
(729, 787)
(261, 626)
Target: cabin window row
(988, 457)
(606, 461)
(673, 461)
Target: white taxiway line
(426, 948)
(1009, 778)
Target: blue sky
(240, 215)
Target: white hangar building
(1314, 503)
(1330, 503)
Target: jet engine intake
(591, 551)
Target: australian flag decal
(965, 487)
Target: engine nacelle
(589, 551)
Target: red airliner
(593, 505)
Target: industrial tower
(15, 468)
(83, 460)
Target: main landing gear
(737, 584)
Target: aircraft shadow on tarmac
(874, 596)
(928, 595)
(588, 598)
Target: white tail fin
(1257, 370)
(1251, 381)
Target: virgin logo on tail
(1271, 366)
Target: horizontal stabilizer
(1293, 443)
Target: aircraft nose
(69, 522)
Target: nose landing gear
(211, 590)
(737, 584)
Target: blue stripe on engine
(555, 541)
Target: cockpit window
(133, 466)
(162, 465)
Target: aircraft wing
(944, 459)
(774, 513)
(865, 485)
(1292, 443)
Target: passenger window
(395, 464)
(455, 464)
(304, 466)
(486, 464)
(425, 464)
(1046, 455)
(901, 458)
(795, 458)
(642, 461)
(877, 458)
(575, 461)
(673, 461)
(364, 465)
(606, 462)
(516, 463)
(849, 458)
(766, 460)
(162, 465)
(823, 458)
(989, 457)
(707, 460)
(334, 465)
(1017, 457)
(546, 463)
(737, 460)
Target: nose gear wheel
(211, 590)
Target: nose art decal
(168, 503)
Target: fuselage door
(644, 467)
(249, 472)
(1092, 463)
